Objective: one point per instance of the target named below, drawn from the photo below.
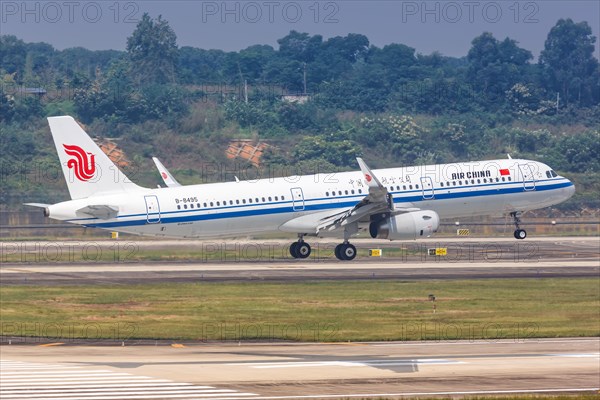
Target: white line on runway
(120, 394)
(353, 363)
(105, 389)
(85, 386)
(117, 377)
(145, 396)
(74, 374)
(575, 355)
(22, 380)
(40, 368)
(406, 394)
(52, 372)
(477, 342)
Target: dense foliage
(391, 104)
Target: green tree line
(390, 104)
(347, 72)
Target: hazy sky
(444, 26)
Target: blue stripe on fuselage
(277, 208)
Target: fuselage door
(297, 199)
(528, 177)
(152, 209)
(427, 187)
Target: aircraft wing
(378, 201)
(165, 174)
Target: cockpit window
(548, 175)
(554, 174)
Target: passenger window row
(334, 193)
(342, 193)
(485, 180)
(224, 203)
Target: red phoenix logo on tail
(83, 163)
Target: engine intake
(407, 226)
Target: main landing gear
(345, 251)
(300, 249)
(519, 233)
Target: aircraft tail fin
(87, 169)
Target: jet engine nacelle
(407, 226)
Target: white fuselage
(252, 207)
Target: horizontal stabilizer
(39, 205)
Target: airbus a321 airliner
(396, 203)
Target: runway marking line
(575, 355)
(348, 363)
(28, 380)
(205, 389)
(178, 345)
(50, 344)
(474, 392)
(479, 342)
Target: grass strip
(309, 311)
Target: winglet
(165, 174)
(371, 179)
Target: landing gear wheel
(302, 250)
(338, 252)
(345, 252)
(349, 252)
(294, 250)
(520, 234)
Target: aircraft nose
(570, 190)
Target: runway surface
(300, 370)
(38, 369)
(266, 261)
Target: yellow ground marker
(178, 345)
(375, 253)
(50, 344)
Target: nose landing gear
(519, 233)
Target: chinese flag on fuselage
(504, 172)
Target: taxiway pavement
(266, 261)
